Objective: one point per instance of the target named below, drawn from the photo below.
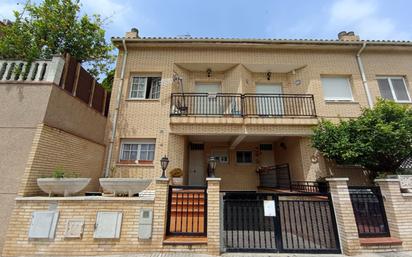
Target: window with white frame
(337, 89)
(393, 88)
(221, 156)
(145, 88)
(136, 150)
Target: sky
(285, 19)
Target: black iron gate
(369, 211)
(302, 222)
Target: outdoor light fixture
(212, 165)
(164, 162)
(209, 72)
(268, 75)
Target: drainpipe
(116, 112)
(362, 72)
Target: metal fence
(369, 211)
(277, 176)
(288, 105)
(239, 105)
(187, 211)
(310, 186)
(303, 222)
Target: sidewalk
(392, 254)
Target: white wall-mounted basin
(129, 186)
(62, 186)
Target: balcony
(243, 105)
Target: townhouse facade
(235, 116)
(251, 103)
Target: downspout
(116, 112)
(363, 76)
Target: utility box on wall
(145, 223)
(43, 224)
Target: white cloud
(122, 14)
(115, 11)
(364, 18)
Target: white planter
(62, 186)
(177, 181)
(406, 183)
(129, 186)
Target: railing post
(160, 210)
(395, 205)
(345, 218)
(213, 215)
(54, 70)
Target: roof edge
(259, 41)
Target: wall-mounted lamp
(164, 162)
(283, 146)
(212, 165)
(268, 75)
(209, 72)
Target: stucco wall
(22, 108)
(72, 115)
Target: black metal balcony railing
(239, 105)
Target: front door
(196, 165)
(268, 100)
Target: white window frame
(220, 155)
(338, 99)
(139, 144)
(389, 79)
(155, 90)
(145, 77)
(137, 85)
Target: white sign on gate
(269, 208)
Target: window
(266, 147)
(140, 150)
(336, 89)
(145, 88)
(393, 88)
(221, 156)
(244, 156)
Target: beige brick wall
(213, 216)
(18, 244)
(398, 208)
(53, 148)
(345, 219)
(398, 211)
(150, 119)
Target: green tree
(56, 27)
(380, 139)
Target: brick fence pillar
(396, 208)
(345, 218)
(160, 211)
(213, 215)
